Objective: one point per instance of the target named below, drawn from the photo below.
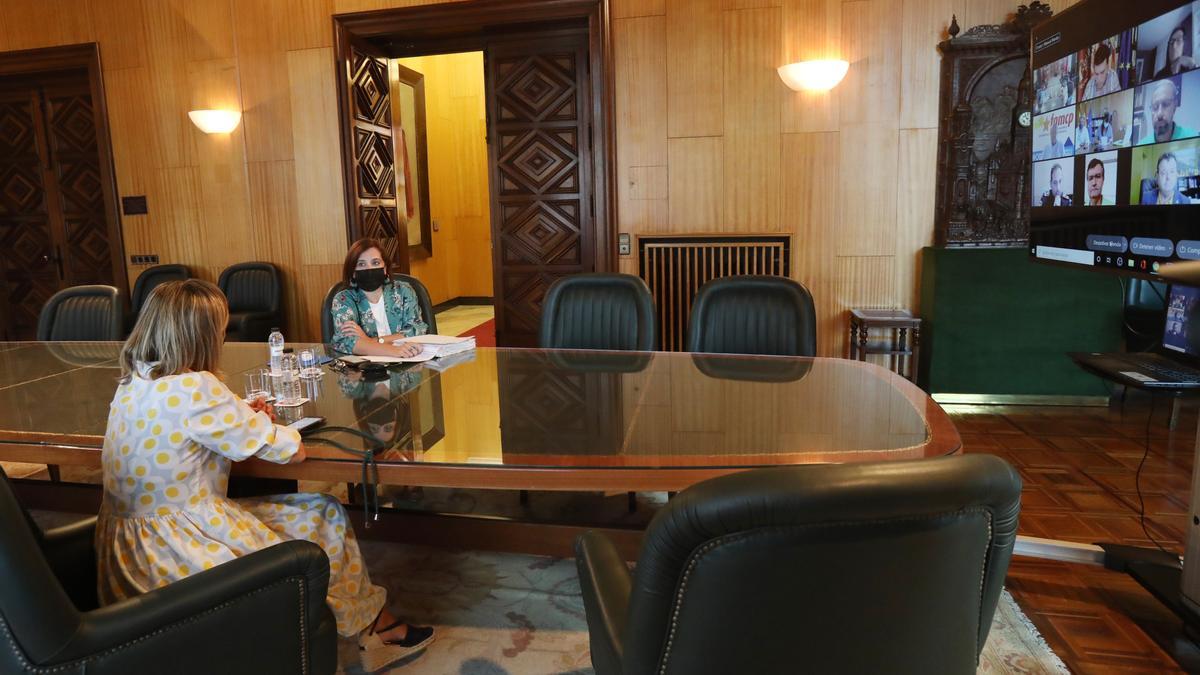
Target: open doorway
(439, 118)
(547, 143)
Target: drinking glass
(256, 385)
(308, 364)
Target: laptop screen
(1180, 334)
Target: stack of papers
(432, 347)
(437, 346)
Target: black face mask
(371, 279)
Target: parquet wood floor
(1078, 467)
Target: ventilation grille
(676, 267)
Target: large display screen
(1116, 135)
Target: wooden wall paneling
(640, 71)
(868, 181)
(266, 100)
(695, 86)
(914, 210)
(647, 182)
(871, 43)
(812, 29)
(119, 27)
(696, 191)
(751, 170)
(272, 232)
(750, 4)
(208, 29)
(224, 193)
(136, 153)
(313, 282)
(625, 9)
(923, 26)
(865, 281)
(27, 24)
(168, 99)
(176, 219)
(809, 166)
(320, 215)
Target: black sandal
(377, 653)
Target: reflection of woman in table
(383, 410)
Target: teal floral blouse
(400, 303)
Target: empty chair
(266, 611)
(328, 329)
(888, 567)
(146, 282)
(85, 313)
(255, 298)
(598, 311)
(753, 315)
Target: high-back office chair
(890, 567)
(753, 315)
(598, 311)
(1145, 313)
(423, 301)
(146, 282)
(86, 313)
(266, 611)
(255, 299)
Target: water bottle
(276, 344)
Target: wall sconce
(821, 75)
(215, 121)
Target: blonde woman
(173, 429)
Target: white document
(436, 346)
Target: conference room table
(519, 419)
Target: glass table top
(537, 408)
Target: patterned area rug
(501, 614)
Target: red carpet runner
(484, 334)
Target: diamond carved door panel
(72, 134)
(54, 225)
(30, 276)
(542, 209)
(372, 155)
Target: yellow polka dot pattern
(166, 459)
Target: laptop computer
(1175, 364)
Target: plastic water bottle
(275, 341)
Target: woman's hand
(350, 328)
(300, 455)
(260, 404)
(407, 349)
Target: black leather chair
(427, 313)
(262, 613)
(146, 282)
(599, 311)
(753, 315)
(891, 567)
(85, 313)
(254, 292)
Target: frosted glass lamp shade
(215, 121)
(821, 75)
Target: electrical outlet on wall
(624, 247)
(144, 259)
(435, 225)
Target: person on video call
(1095, 184)
(1177, 61)
(1083, 139)
(1055, 149)
(1054, 196)
(1104, 79)
(1166, 187)
(1164, 101)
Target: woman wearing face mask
(375, 310)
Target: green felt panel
(997, 323)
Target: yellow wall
(456, 135)
(709, 139)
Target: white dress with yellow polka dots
(167, 454)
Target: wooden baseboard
(465, 300)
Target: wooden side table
(898, 323)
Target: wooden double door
(54, 231)
(545, 165)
